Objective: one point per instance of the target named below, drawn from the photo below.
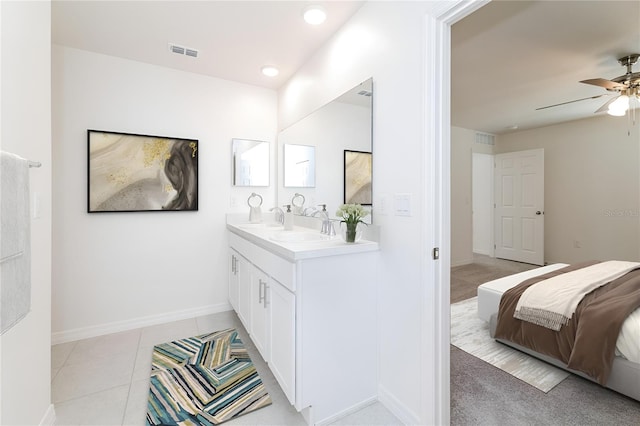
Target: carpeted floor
(471, 334)
(465, 279)
(484, 395)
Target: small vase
(351, 232)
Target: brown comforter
(587, 343)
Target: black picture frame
(128, 172)
(358, 174)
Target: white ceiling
(234, 38)
(511, 57)
(508, 58)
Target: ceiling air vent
(365, 93)
(485, 139)
(180, 50)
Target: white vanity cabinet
(313, 317)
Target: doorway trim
(436, 214)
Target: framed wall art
(357, 177)
(133, 173)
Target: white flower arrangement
(352, 214)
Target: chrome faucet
(327, 224)
(279, 214)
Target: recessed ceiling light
(314, 15)
(270, 71)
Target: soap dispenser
(288, 218)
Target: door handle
(538, 213)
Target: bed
(624, 374)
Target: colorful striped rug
(203, 380)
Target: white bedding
(627, 345)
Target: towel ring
(293, 200)
(251, 197)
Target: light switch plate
(402, 204)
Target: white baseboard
(397, 408)
(49, 418)
(118, 326)
(344, 413)
(461, 262)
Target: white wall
(114, 271)
(385, 40)
(25, 122)
(592, 187)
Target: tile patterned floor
(105, 380)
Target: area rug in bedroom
(203, 380)
(471, 334)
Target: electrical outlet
(577, 244)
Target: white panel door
(519, 206)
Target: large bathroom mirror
(249, 163)
(299, 166)
(344, 124)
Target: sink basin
(298, 237)
(260, 225)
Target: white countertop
(266, 236)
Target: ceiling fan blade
(570, 102)
(631, 77)
(606, 105)
(607, 84)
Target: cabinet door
(233, 279)
(282, 340)
(260, 312)
(243, 269)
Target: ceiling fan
(626, 87)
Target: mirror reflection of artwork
(130, 173)
(250, 162)
(299, 166)
(357, 177)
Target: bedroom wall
(25, 123)
(114, 271)
(592, 187)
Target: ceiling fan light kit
(619, 106)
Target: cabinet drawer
(278, 268)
